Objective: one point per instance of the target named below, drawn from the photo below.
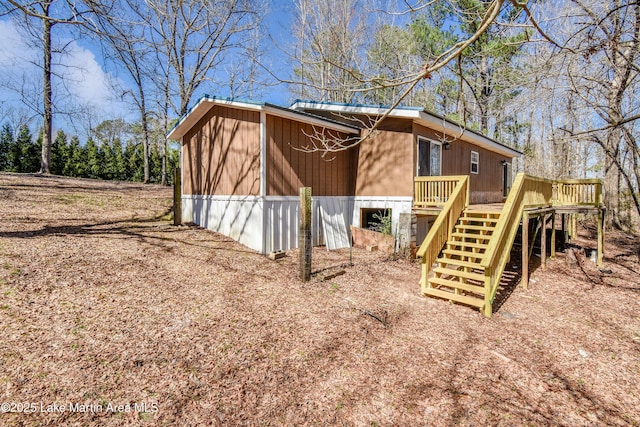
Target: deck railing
(440, 231)
(577, 192)
(430, 191)
(527, 191)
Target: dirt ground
(105, 304)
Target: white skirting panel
(239, 217)
(265, 224)
(281, 223)
(282, 219)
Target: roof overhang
(452, 129)
(206, 103)
(432, 121)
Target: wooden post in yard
(553, 234)
(177, 197)
(525, 250)
(304, 236)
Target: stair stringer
(504, 258)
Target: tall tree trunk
(485, 94)
(612, 179)
(145, 143)
(145, 121)
(613, 140)
(164, 162)
(47, 114)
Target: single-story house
(243, 163)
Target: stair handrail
(527, 191)
(441, 230)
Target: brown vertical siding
(486, 186)
(289, 167)
(221, 153)
(221, 156)
(286, 156)
(385, 165)
(296, 161)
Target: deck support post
(543, 242)
(563, 220)
(600, 220)
(304, 236)
(553, 234)
(525, 250)
(424, 280)
(487, 309)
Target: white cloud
(15, 54)
(86, 79)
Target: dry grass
(104, 302)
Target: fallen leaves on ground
(105, 303)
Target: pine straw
(103, 301)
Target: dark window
(376, 219)
(423, 157)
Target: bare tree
(245, 75)
(194, 37)
(48, 15)
(125, 38)
(330, 36)
(594, 56)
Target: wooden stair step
(484, 221)
(474, 227)
(474, 255)
(464, 299)
(462, 243)
(458, 285)
(459, 273)
(478, 219)
(471, 236)
(450, 261)
(474, 212)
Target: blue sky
(278, 23)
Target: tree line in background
(98, 159)
(558, 81)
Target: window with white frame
(475, 162)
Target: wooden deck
(471, 244)
(435, 210)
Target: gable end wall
(221, 153)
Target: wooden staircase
(471, 248)
(460, 276)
